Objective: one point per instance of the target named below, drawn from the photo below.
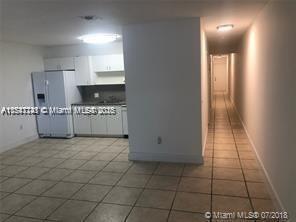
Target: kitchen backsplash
(106, 92)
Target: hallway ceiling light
(99, 38)
(225, 28)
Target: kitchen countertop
(99, 103)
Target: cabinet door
(67, 63)
(52, 64)
(82, 71)
(99, 124)
(114, 62)
(82, 124)
(124, 121)
(99, 64)
(114, 122)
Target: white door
(220, 74)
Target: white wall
(204, 88)
(17, 63)
(163, 77)
(83, 50)
(264, 93)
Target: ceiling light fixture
(100, 38)
(225, 28)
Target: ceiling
(57, 22)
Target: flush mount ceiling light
(100, 38)
(225, 28)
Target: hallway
(238, 182)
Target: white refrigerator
(55, 89)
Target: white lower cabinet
(114, 122)
(124, 120)
(99, 124)
(82, 124)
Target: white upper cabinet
(66, 63)
(108, 63)
(83, 71)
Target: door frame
(213, 76)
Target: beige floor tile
(22, 219)
(225, 154)
(122, 157)
(133, 180)
(169, 169)
(143, 168)
(247, 155)
(163, 182)
(226, 163)
(263, 205)
(254, 175)
(147, 215)
(41, 207)
(178, 216)
(14, 202)
(231, 204)
(12, 170)
(106, 178)
(258, 190)
(230, 187)
(83, 155)
(94, 165)
(13, 184)
(250, 164)
(33, 172)
(192, 202)
(192, 170)
(63, 190)
(117, 167)
(50, 162)
(36, 187)
(218, 146)
(55, 174)
(80, 176)
(156, 199)
(73, 211)
(92, 192)
(71, 164)
(109, 213)
(200, 185)
(228, 174)
(123, 195)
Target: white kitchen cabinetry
(53, 64)
(99, 124)
(124, 120)
(114, 122)
(83, 71)
(82, 124)
(108, 63)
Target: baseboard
(279, 204)
(165, 157)
(19, 143)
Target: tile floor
(91, 179)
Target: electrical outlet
(96, 95)
(159, 140)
